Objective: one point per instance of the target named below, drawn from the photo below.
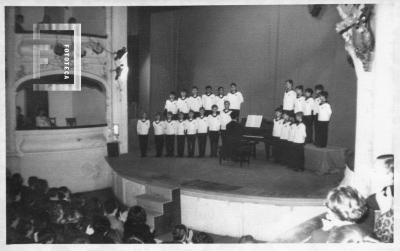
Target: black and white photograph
(156, 123)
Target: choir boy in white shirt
(180, 134)
(289, 97)
(225, 117)
(182, 104)
(308, 114)
(220, 99)
(195, 102)
(142, 128)
(159, 129)
(284, 136)
(208, 100)
(170, 131)
(170, 106)
(300, 99)
(202, 129)
(289, 149)
(317, 100)
(324, 116)
(235, 99)
(214, 126)
(276, 134)
(299, 137)
(191, 131)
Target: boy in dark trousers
(308, 114)
(191, 131)
(276, 133)
(214, 126)
(143, 126)
(317, 100)
(324, 116)
(159, 130)
(202, 129)
(180, 134)
(297, 163)
(170, 131)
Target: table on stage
(324, 160)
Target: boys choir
(189, 118)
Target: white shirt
(143, 127)
(317, 101)
(208, 101)
(292, 132)
(300, 133)
(285, 130)
(299, 104)
(235, 100)
(170, 127)
(225, 118)
(324, 112)
(182, 105)
(159, 127)
(308, 106)
(170, 106)
(277, 129)
(219, 101)
(191, 126)
(180, 127)
(289, 97)
(202, 124)
(194, 103)
(214, 123)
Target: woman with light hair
(345, 206)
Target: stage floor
(259, 178)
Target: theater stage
(263, 199)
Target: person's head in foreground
(247, 239)
(202, 237)
(346, 234)
(180, 234)
(345, 206)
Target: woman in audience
(345, 206)
(135, 226)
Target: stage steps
(162, 205)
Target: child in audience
(225, 117)
(171, 106)
(195, 102)
(208, 100)
(180, 134)
(202, 129)
(191, 130)
(300, 100)
(182, 104)
(308, 114)
(283, 143)
(276, 134)
(143, 126)
(214, 126)
(220, 99)
(324, 116)
(170, 131)
(159, 129)
(235, 99)
(298, 144)
(317, 100)
(289, 97)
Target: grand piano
(256, 135)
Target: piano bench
(241, 154)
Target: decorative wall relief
(356, 31)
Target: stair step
(151, 217)
(152, 202)
(160, 190)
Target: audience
(39, 214)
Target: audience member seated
(247, 239)
(345, 206)
(181, 235)
(136, 228)
(202, 238)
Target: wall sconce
(115, 130)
